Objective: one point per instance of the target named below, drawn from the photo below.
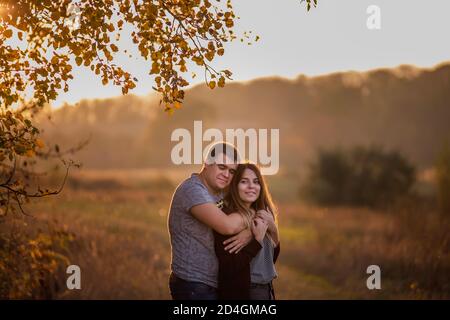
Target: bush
(443, 179)
(360, 176)
(32, 259)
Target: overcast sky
(332, 37)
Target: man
(194, 212)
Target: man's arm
(217, 220)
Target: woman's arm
(234, 268)
(230, 260)
(245, 255)
(276, 253)
(240, 240)
(273, 232)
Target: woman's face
(249, 187)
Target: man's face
(219, 174)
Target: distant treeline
(405, 109)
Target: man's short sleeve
(195, 193)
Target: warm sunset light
(244, 152)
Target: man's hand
(237, 242)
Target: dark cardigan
(234, 268)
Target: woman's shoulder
(232, 212)
(228, 209)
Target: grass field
(122, 245)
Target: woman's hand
(272, 226)
(259, 228)
(268, 217)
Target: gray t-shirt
(193, 255)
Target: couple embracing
(223, 232)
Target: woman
(248, 274)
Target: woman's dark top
(234, 268)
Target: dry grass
(122, 245)
(337, 245)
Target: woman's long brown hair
(264, 201)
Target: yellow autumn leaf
(108, 55)
(155, 68)
(212, 84)
(40, 143)
(177, 105)
(8, 33)
(221, 82)
(30, 153)
(209, 56)
(169, 111)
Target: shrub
(360, 176)
(443, 179)
(31, 259)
